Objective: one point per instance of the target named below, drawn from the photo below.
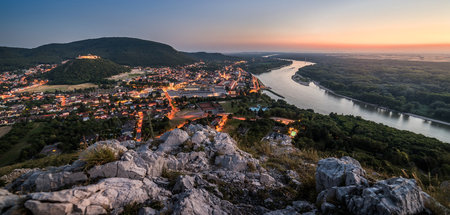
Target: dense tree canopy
(83, 71)
(421, 88)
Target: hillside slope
(197, 170)
(121, 50)
(83, 71)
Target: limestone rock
(44, 181)
(200, 201)
(184, 183)
(333, 172)
(110, 193)
(103, 171)
(147, 211)
(7, 200)
(153, 162)
(121, 169)
(298, 207)
(224, 144)
(172, 140)
(393, 196)
(232, 162)
(276, 138)
(303, 206)
(267, 180)
(46, 208)
(129, 144)
(192, 161)
(228, 156)
(198, 137)
(8, 178)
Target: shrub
(171, 175)
(251, 166)
(98, 156)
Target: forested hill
(417, 87)
(84, 70)
(205, 56)
(121, 50)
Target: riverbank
(325, 101)
(273, 92)
(298, 79)
(378, 106)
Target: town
(156, 92)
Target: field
(126, 75)
(184, 115)
(52, 88)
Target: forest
(121, 50)
(375, 145)
(26, 139)
(417, 87)
(84, 71)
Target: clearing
(126, 75)
(52, 88)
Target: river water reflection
(324, 102)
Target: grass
(441, 194)
(54, 160)
(226, 105)
(231, 126)
(52, 88)
(98, 156)
(13, 154)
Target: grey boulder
(332, 172)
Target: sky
(235, 25)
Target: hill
(121, 50)
(204, 56)
(84, 70)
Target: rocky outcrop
(48, 180)
(297, 207)
(209, 165)
(392, 196)
(14, 175)
(275, 139)
(111, 193)
(200, 201)
(7, 201)
(201, 171)
(172, 140)
(342, 187)
(332, 172)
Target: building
(89, 56)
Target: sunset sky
(232, 25)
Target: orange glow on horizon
(328, 46)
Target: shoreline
(374, 105)
(273, 92)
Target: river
(324, 102)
